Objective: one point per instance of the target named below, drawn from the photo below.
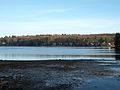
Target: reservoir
(57, 53)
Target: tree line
(59, 40)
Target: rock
(78, 79)
(21, 76)
(14, 77)
(101, 74)
(95, 86)
(118, 75)
(3, 83)
(82, 71)
(47, 84)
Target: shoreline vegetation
(77, 40)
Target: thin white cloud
(61, 26)
(39, 12)
(33, 13)
(84, 23)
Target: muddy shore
(60, 75)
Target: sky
(31, 17)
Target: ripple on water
(116, 69)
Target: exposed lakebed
(59, 75)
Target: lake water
(50, 53)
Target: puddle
(105, 64)
(101, 84)
(108, 61)
(116, 69)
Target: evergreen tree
(117, 41)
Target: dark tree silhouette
(117, 41)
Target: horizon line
(56, 34)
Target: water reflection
(24, 56)
(61, 87)
(117, 56)
(51, 53)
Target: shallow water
(101, 84)
(116, 69)
(47, 53)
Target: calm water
(47, 53)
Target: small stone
(3, 83)
(95, 86)
(14, 77)
(47, 84)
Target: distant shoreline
(99, 47)
(59, 40)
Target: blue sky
(23, 17)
